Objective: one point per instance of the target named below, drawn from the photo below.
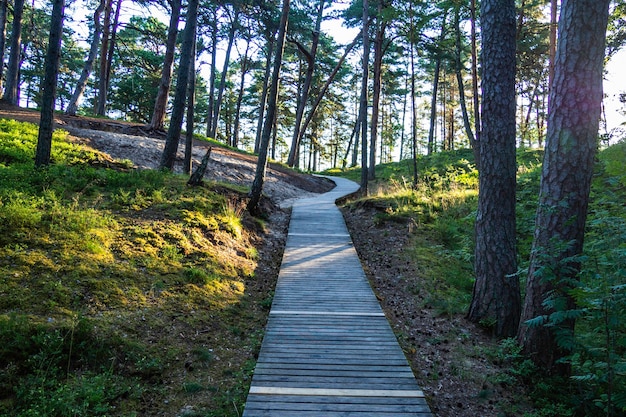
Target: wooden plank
(328, 349)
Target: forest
(500, 97)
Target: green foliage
(596, 299)
(92, 259)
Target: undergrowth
(107, 275)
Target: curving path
(328, 349)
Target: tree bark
(220, 91)
(157, 122)
(53, 55)
(13, 67)
(104, 48)
(245, 67)
(3, 38)
(257, 184)
(459, 79)
(475, 89)
(209, 126)
(496, 296)
(377, 75)
(433, 99)
(308, 79)
(572, 138)
(264, 91)
(72, 106)
(191, 102)
(187, 55)
(363, 100)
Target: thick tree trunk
(157, 122)
(53, 55)
(496, 296)
(567, 171)
(259, 178)
(187, 55)
(72, 106)
(13, 67)
(308, 79)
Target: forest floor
(458, 365)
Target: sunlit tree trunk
(567, 171)
(496, 296)
(53, 55)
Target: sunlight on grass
(109, 251)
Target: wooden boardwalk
(328, 349)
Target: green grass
(440, 213)
(103, 273)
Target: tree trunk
(496, 296)
(53, 55)
(459, 79)
(187, 55)
(308, 79)
(104, 48)
(413, 107)
(160, 105)
(552, 47)
(209, 126)
(433, 99)
(475, 92)
(263, 98)
(571, 143)
(245, 67)
(191, 102)
(72, 106)
(13, 67)
(378, 79)
(257, 184)
(220, 91)
(3, 38)
(363, 100)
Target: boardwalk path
(328, 349)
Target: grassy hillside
(122, 292)
(439, 214)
